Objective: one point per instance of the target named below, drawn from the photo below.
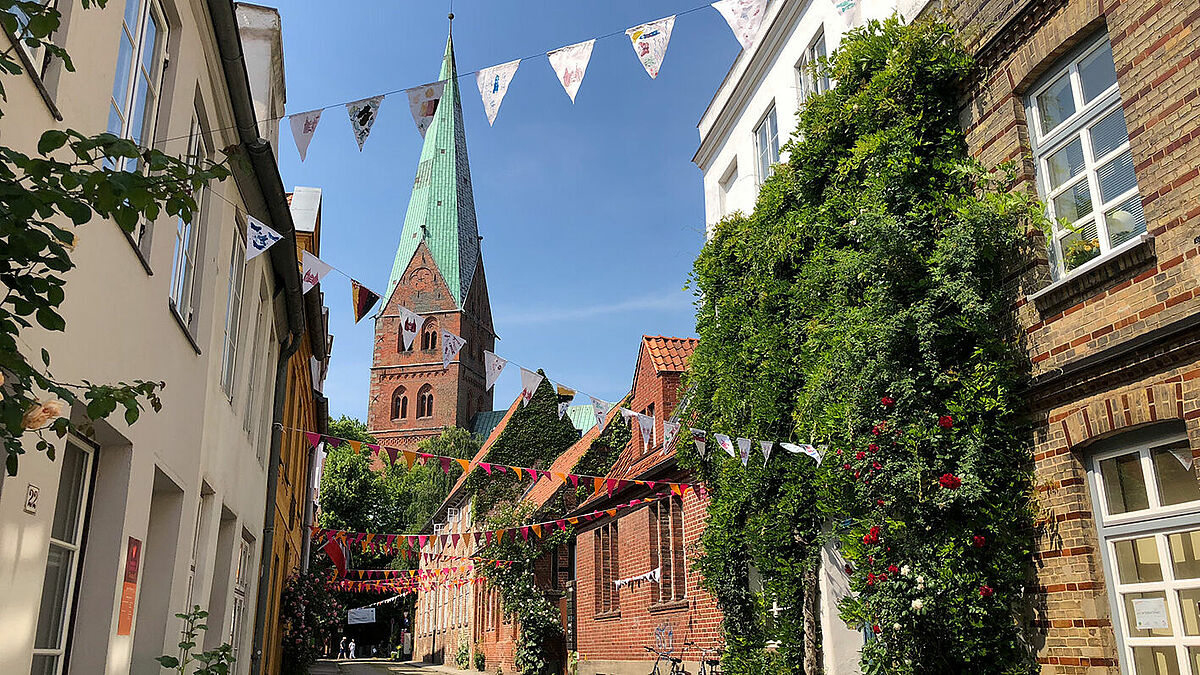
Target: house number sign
(31, 498)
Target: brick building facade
(438, 273)
(1097, 102)
(615, 625)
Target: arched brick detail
(1106, 416)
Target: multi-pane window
(399, 404)
(608, 599)
(812, 82)
(766, 144)
(187, 237)
(233, 313)
(258, 350)
(1084, 167)
(140, 62)
(62, 563)
(1154, 569)
(429, 335)
(241, 587)
(425, 401)
(666, 551)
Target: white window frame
(1078, 126)
(241, 591)
(770, 122)
(233, 313)
(133, 37)
(1157, 521)
(807, 82)
(184, 266)
(36, 55)
(255, 357)
(76, 550)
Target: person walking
(342, 648)
(353, 649)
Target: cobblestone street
(379, 667)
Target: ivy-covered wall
(864, 306)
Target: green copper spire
(441, 210)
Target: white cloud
(676, 300)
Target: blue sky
(591, 213)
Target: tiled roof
(669, 354)
(582, 416)
(441, 208)
(545, 488)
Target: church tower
(438, 274)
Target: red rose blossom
(860, 455)
(887, 401)
(978, 541)
(986, 591)
(873, 448)
(945, 421)
(876, 465)
(877, 629)
(950, 481)
(882, 577)
(872, 535)
(892, 569)
(870, 578)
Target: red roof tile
(669, 354)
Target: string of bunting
(395, 543)
(412, 457)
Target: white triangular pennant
(627, 414)
(530, 381)
(670, 432)
(646, 423)
(410, 325)
(492, 367)
(700, 438)
(766, 450)
(259, 237)
(601, 409)
(744, 449)
(803, 448)
(562, 408)
(451, 345)
(650, 43)
(423, 102)
(493, 85)
(745, 17)
(570, 64)
(726, 444)
(315, 269)
(362, 116)
(304, 125)
(848, 10)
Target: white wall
(120, 328)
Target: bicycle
(708, 666)
(676, 664)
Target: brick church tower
(438, 274)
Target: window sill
(182, 325)
(606, 616)
(1126, 261)
(671, 606)
(137, 250)
(37, 79)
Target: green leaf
(51, 140)
(168, 661)
(50, 320)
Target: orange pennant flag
(599, 482)
(410, 458)
(573, 521)
(517, 470)
(537, 529)
(464, 463)
(499, 535)
(562, 477)
(611, 512)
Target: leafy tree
(865, 306)
(425, 487)
(47, 197)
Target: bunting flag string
(744, 449)
(493, 85)
(362, 117)
(492, 367)
(570, 64)
(451, 345)
(530, 381)
(304, 125)
(410, 325)
(423, 102)
(313, 271)
(259, 237)
(744, 17)
(650, 43)
(362, 299)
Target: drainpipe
(268, 531)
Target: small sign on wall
(1150, 613)
(361, 615)
(31, 498)
(133, 559)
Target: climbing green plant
(602, 455)
(865, 306)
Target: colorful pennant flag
(410, 325)
(492, 367)
(670, 433)
(848, 10)
(745, 17)
(423, 102)
(726, 444)
(451, 345)
(700, 438)
(362, 298)
(565, 392)
(766, 450)
(530, 381)
(803, 448)
(650, 43)
(570, 64)
(314, 270)
(627, 414)
(600, 408)
(744, 449)
(259, 237)
(493, 85)
(304, 125)
(362, 116)
(646, 423)
(562, 409)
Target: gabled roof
(545, 488)
(441, 208)
(669, 354)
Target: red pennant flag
(574, 480)
(422, 539)
(314, 439)
(525, 533)
(562, 525)
(612, 485)
(446, 464)
(486, 467)
(362, 299)
(337, 554)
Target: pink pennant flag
(425, 457)
(498, 467)
(314, 439)
(488, 538)
(486, 467)
(422, 539)
(612, 485)
(446, 464)
(562, 525)
(413, 541)
(525, 533)
(574, 480)
(650, 484)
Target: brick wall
(1110, 348)
(458, 392)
